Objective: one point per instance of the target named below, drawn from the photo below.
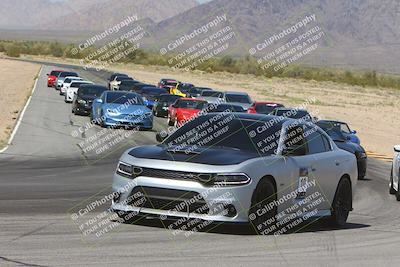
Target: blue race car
(121, 109)
(150, 95)
(346, 131)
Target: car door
(298, 165)
(325, 167)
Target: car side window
(315, 141)
(295, 142)
(327, 143)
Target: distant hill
(359, 33)
(84, 15)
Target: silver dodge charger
(269, 171)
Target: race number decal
(302, 184)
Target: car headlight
(231, 179)
(125, 169)
(81, 101)
(113, 112)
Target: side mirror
(397, 148)
(160, 138)
(98, 100)
(354, 132)
(48, 74)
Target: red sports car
(183, 110)
(52, 77)
(263, 107)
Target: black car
(160, 108)
(343, 143)
(293, 113)
(83, 100)
(137, 88)
(224, 108)
(150, 95)
(127, 85)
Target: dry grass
(16, 79)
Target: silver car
(394, 185)
(235, 167)
(212, 97)
(238, 98)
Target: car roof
(89, 85)
(256, 117)
(236, 93)
(331, 121)
(266, 103)
(192, 99)
(288, 109)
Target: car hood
(349, 146)
(128, 109)
(211, 156)
(88, 97)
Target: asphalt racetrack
(46, 175)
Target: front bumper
(84, 109)
(145, 122)
(162, 111)
(177, 199)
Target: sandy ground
(16, 80)
(372, 112)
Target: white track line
(22, 113)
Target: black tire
(170, 122)
(264, 194)
(102, 124)
(391, 188)
(342, 203)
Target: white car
(67, 82)
(394, 185)
(72, 89)
(114, 84)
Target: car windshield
(169, 98)
(170, 83)
(55, 73)
(227, 131)
(66, 74)
(69, 80)
(191, 104)
(293, 113)
(222, 108)
(265, 108)
(124, 78)
(212, 94)
(333, 130)
(344, 127)
(238, 98)
(153, 91)
(91, 90)
(124, 98)
(128, 82)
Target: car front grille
(168, 199)
(176, 175)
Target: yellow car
(176, 91)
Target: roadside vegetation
(244, 65)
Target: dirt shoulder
(373, 112)
(16, 80)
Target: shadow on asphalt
(320, 225)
